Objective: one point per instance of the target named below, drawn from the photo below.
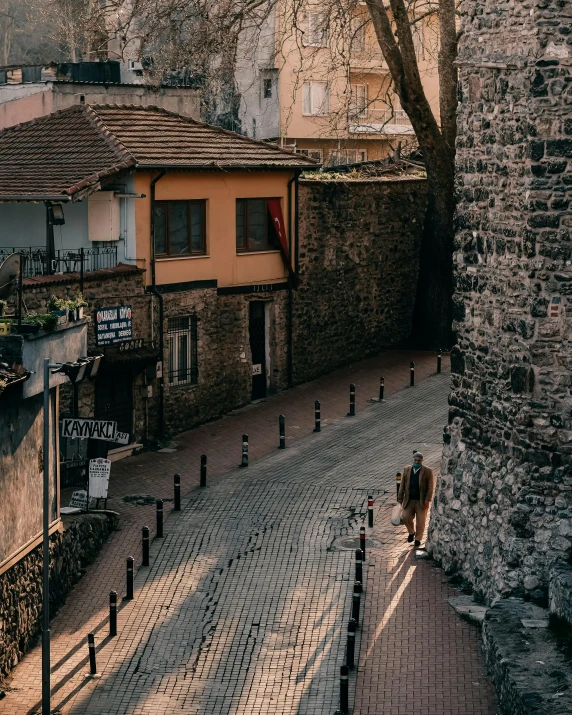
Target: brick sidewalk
(152, 474)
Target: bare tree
(432, 318)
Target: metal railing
(373, 116)
(65, 260)
(74, 473)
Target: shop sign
(113, 325)
(89, 429)
(122, 438)
(79, 500)
(99, 470)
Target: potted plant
(3, 306)
(59, 306)
(81, 303)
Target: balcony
(66, 260)
(380, 121)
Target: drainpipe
(290, 367)
(159, 295)
(50, 247)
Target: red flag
(280, 228)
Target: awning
(118, 358)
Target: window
(316, 98)
(358, 100)
(316, 154)
(254, 226)
(267, 88)
(358, 34)
(180, 228)
(316, 34)
(182, 334)
(346, 156)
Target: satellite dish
(9, 274)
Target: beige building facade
(328, 87)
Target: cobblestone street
(245, 606)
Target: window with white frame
(358, 100)
(316, 154)
(358, 34)
(316, 34)
(316, 98)
(183, 358)
(346, 156)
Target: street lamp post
(46, 708)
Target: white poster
(99, 470)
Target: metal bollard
(370, 511)
(177, 487)
(244, 462)
(358, 587)
(362, 541)
(112, 614)
(412, 374)
(439, 358)
(381, 388)
(355, 607)
(344, 690)
(359, 566)
(159, 533)
(282, 430)
(91, 646)
(398, 481)
(145, 545)
(351, 646)
(130, 562)
(203, 470)
(317, 417)
(352, 411)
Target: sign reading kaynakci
(113, 325)
(89, 429)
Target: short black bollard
(351, 646)
(177, 487)
(352, 411)
(282, 430)
(317, 417)
(381, 388)
(145, 545)
(159, 533)
(370, 512)
(112, 614)
(439, 358)
(362, 541)
(412, 374)
(203, 470)
(344, 690)
(130, 562)
(398, 481)
(359, 566)
(355, 605)
(244, 462)
(358, 588)
(91, 646)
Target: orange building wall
(220, 191)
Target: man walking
(415, 494)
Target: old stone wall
(503, 505)
(359, 260)
(123, 285)
(224, 356)
(21, 585)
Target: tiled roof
(60, 154)
(156, 137)
(71, 150)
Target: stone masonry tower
(503, 508)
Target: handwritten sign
(79, 500)
(122, 437)
(113, 325)
(89, 429)
(99, 470)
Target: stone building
(503, 507)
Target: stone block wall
(359, 260)
(224, 356)
(21, 585)
(503, 505)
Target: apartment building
(319, 84)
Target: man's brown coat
(426, 486)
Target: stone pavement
(245, 605)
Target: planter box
(62, 316)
